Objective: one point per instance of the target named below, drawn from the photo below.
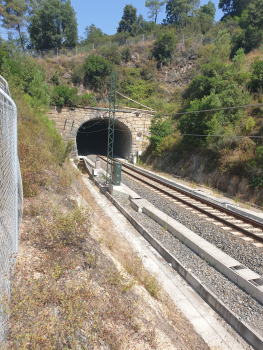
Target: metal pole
(111, 126)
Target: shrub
(97, 69)
(148, 70)
(55, 78)
(126, 54)
(111, 54)
(78, 74)
(163, 48)
(62, 95)
(39, 91)
(88, 99)
(256, 82)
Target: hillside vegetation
(187, 64)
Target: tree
(69, 25)
(93, 35)
(177, 10)
(206, 15)
(15, 16)
(233, 7)
(53, 25)
(155, 7)
(251, 22)
(129, 21)
(208, 9)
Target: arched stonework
(69, 120)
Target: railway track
(241, 224)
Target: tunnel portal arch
(92, 138)
(68, 122)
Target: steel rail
(194, 206)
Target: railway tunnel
(92, 138)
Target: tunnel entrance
(92, 138)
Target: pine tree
(155, 7)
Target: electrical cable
(212, 110)
(117, 92)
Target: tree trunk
(21, 40)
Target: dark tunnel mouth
(92, 138)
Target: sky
(106, 15)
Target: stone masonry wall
(69, 120)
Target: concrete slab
(118, 191)
(130, 192)
(248, 274)
(259, 245)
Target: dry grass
(78, 285)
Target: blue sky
(106, 15)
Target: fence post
(57, 54)
(126, 42)
(93, 46)
(183, 39)
(201, 38)
(143, 40)
(76, 51)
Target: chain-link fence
(11, 201)
(141, 40)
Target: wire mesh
(11, 201)
(141, 40)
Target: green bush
(55, 78)
(111, 54)
(78, 74)
(163, 48)
(88, 99)
(39, 91)
(62, 95)
(126, 54)
(96, 69)
(160, 128)
(256, 82)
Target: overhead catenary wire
(117, 92)
(195, 135)
(212, 110)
